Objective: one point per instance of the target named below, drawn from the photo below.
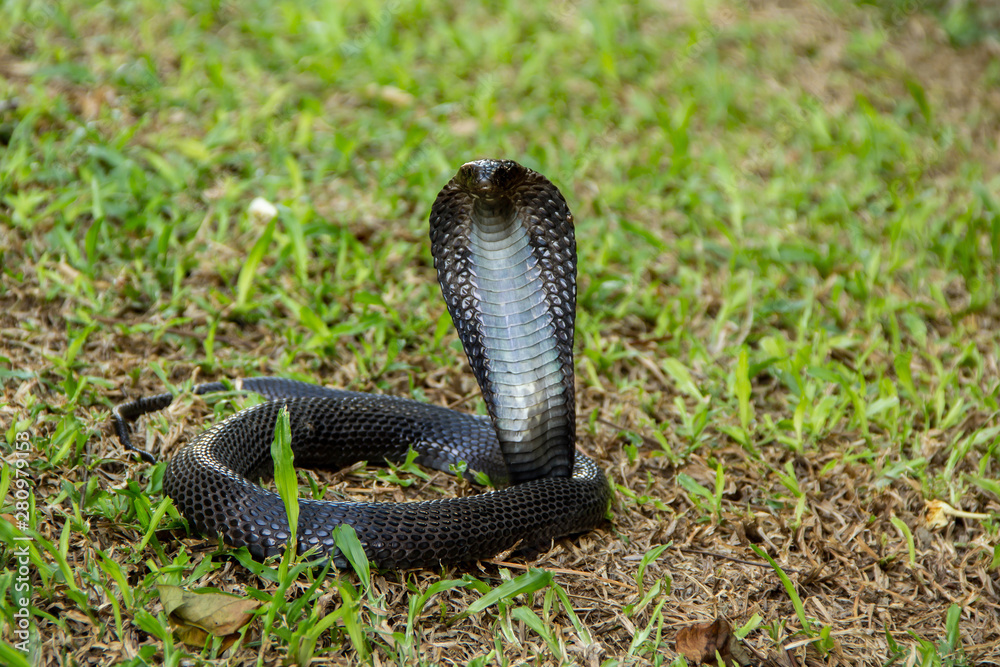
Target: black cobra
(503, 245)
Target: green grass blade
(352, 619)
(532, 620)
(904, 530)
(347, 541)
(249, 271)
(581, 629)
(12, 656)
(154, 522)
(953, 637)
(650, 556)
(743, 388)
(800, 610)
(529, 582)
(284, 473)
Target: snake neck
(506, 263)
(525, 375)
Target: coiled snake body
(504, 249)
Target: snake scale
(504, 249)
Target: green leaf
(113, 570)
(76, 344)
(324, 624)
(12, 657)
(154, 522)
(442, 328)
(165, 169)
(352, 619)
(988, 485)
(151, 625)
(901, 364)
(293, 223)
(643, 233)
(649, 557)
(682, 376)
(247, 274)
(581, 629)
(920, 97)
(284, 472)
(369, 299)
(825, 374)
(529, 582)
(531, 619)
(953, 637)
(748, 627)
(800, 610)
(743, 388)
(881, 405)
(907, 535)
(96, 205)
(90, 240)
(346, 539)
(418, 602)
(917, 328)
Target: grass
(789, 234)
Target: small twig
(468, 398)
(734, 559)
(505, 554)
(805, 642)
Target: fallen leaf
(935, 515)
(397, 97)
(465, 127)
(700, 643)
(19, 68)
(194, 615)
(938, 513)
(92, 100)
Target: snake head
(491, 180)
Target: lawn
(787, 348)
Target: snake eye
(468, 174)
(506, 174)
(477, 175)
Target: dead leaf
(397, 97)
(465, 127)
(19, 68)
(194, 615)
(91, 100)
(700, 643)
(937, 514)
